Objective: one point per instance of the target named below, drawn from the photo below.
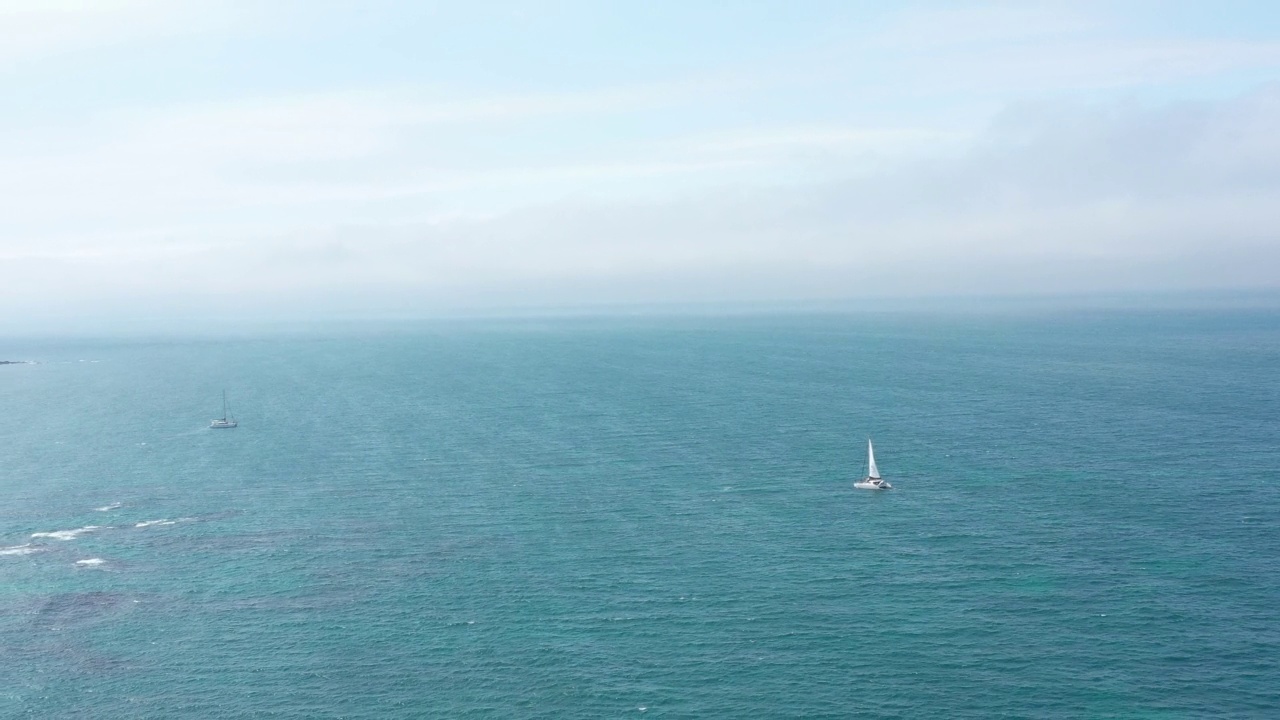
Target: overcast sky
(366, 157)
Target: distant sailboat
(872, 481)
(226, 421)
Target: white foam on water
(149, 523)
(66, 534)
(112, 506)
(20, 550)
(91, 562)
(165, 521)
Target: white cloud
(889, 140)
(1001, 49)
(968, 26)
(158, 166)
(1056, 199)
(1051, 198)
(848, 174)
(42, 29)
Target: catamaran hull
(872, 486)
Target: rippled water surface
(649, 518)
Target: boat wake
(106, 508)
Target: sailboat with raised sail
(226, 421)
(872, 481)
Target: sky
(353, 158)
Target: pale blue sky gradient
(412, 157)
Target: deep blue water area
(648, 517)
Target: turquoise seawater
(648, 518)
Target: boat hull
(222, 424)
(872, 485)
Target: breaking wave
(20, 550)
(67, 534)
(166, 521)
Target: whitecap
(112, 506)
(91, 562)
(165, 521)
(20, 550)
(66, 534)
(149, 523)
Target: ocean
(648, 517)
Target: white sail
(226, 421)
(872, 471)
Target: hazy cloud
(974, 149)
